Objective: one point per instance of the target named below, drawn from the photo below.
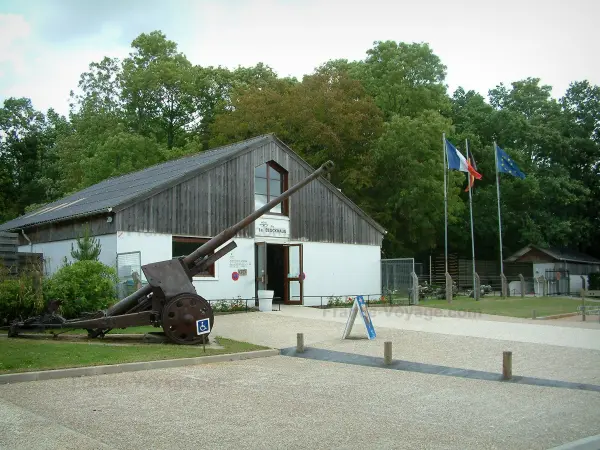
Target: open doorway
(279, 269)
(276, 271)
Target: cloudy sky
(46, 44)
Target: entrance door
(261, 267)
(294, 281)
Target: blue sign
(203, 326)
(364, 312)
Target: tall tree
(404, 79)
(161, 89)
(409, 184)
(324, 117)
(28, 160)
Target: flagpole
(445, 208)
(499, 219)
(471, 213)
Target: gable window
(183, 246)
(270, 180)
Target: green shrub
(594, 281)
(84, 286)
(20, 296)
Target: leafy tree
(100, 88)
(547, 208)
(326, 116)
(161, 88)
(404, 79)
(28, 158)
(21, 295)
(410, 184)
(88, 247)
(84, 286)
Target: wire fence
(396, 277)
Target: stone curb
(132, 367)
(558, 316)
(589, 443)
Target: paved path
(459, 323)
(283, 402)
(456, 348)
(288, 402)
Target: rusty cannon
(169, 300)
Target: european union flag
(507, 165)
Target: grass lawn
(25, 355)
(511, 306)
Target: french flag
(456, 161)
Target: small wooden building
(565, 270)
(316, 244)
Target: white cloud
(14, 30)
(47, 73)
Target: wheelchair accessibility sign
(203, 326)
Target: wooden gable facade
(206, 203)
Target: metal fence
(315, 301)
(396, 276)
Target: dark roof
(557, 254)
(113, 193)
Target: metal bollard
(387, 352)
(507, 365)
(533, 314)
(300, 342)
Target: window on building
(270, 180)
(183, 246)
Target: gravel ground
(529, 359)
(286, 402)
(282, 402)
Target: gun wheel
(180, 316)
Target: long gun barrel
(196, 257)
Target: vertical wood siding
(210, 202)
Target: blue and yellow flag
(507, 165)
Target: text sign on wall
(272, 227)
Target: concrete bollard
(387, 352)
(507, 365)
(300, 342)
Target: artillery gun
(169, 300)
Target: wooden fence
(11, 260)
(9, 251)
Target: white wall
(340, 269)
(54, 252)
(223, 287)
(330, 269)
(576, 283)
(153, 247)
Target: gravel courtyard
(290, 402)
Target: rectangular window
(183, 246)
(270, 180)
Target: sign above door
(269, 226)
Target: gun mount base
(180, 316)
